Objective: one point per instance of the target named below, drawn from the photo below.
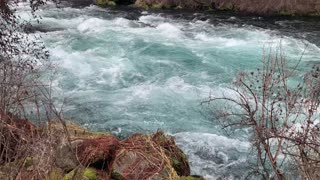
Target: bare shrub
(25, 92)
(280, 109)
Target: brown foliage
(14, 133)
(142, 158)
(97, 152)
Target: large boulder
(149, 157)
(177, 158)
(97, 152)
(65, 157)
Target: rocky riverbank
(260, 7)
(71, 152)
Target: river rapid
(126, 70)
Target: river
(125, 71)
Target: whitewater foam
(214, 156)
(91, 25)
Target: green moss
(156, 6)
(183, 155)
(191, 178)
(90, 173)
(28, 162)
(82, 174)
(74, 129)
(175, 163)
(162, 138)
(102, 2)
(285, 13)
(55, 173)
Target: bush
(280, 114)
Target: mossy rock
(192, 178)
(65, 158)
(156, 6)
(74, 129)
(97, 152)
(55, 174)
(285, 13)
(178, 159)
(112, 3)
(82, 174)
(105, 3)
(226, 6)
(143, 162)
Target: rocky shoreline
(72, 152)
(262, 7)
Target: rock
(141, 158)
(65, 155)
(104, 3)
(97, 152)
(87, 155)
(177, 158)
(74, 130)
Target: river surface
(127, 71)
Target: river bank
(263, 7)
(67, 151)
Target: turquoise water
(129, 71)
